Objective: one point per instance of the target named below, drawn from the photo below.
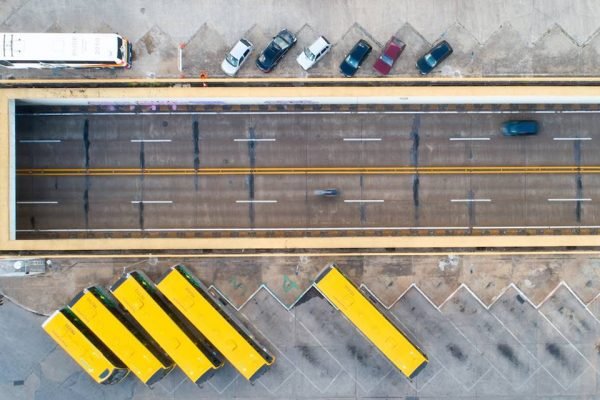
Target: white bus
(64, 50)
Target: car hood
(423, 66)
(228, 68)
(269, 54)
(304, 61)
(381, 67)
(347, 69)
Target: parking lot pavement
(511, 349)
(440, 339)
(519, 38)
(556, 355)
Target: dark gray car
(434, 57)
(276, 49)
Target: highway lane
(124, 205)
(365, 201)
(301, 140)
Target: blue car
(436, 55)
(276, 49)
(357, 55)
(520, 128)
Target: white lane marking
(359, 228)
(362, 139)
(453, 139)
(364, 201)
(308, 112)
(152, 201)
(572, 138)
(470, 200)
(40, 141)
(255, 201)
(150, 140)
(37, 202)
(583, 199)
(540, 227)
(255, 140)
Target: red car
(389, 55)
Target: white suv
(312, 54)
(235, 58)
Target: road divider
(402, 170)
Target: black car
(357, 55)
(436, 55)
(277, 48)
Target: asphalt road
(181, 200)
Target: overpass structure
(420, 164)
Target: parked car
(326, 192)
(355, 58)
(313, 53)
(520, 128)
(276, 49)
(436, 55)
(236, 57)
(389, 55)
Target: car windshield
(309, 54)
(353, 62)
(387, 59)
(232, 60)
(430, 60)
(279, 42)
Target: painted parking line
(539, 227)
(256, 201)
(152, 201)
(40, 141)
(37, 202)
(150, 140)
(255, 140)
(470, 200)
(582, 199)
(362, 139)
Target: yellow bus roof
(151, 316)
(345, 296)
(141, 361)
(217, 330)
(79, 347)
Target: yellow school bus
(192, 353)
(100, 312)
(215, 322)
(347, 298)
(84, 347)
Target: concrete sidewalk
(490, 38)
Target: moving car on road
(276, 49)
(326, 192)
(235, 58)
(355, 58)
(313, 53)
(389, 55)
(520, 128)
(436, 55)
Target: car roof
(239, 49)
(318, 44)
